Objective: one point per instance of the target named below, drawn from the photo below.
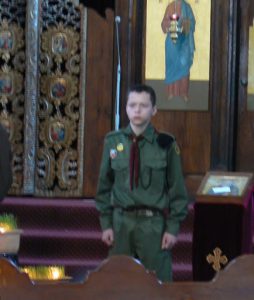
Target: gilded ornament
(217, 259)
(73, 64)
(72, 109)
(13, 126)
(59, 88)
(11, 83)
(67, 169)
(60, 41)
(45, 168)
(11, 39)
(57, 132)
(6, 121)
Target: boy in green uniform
(140, 180)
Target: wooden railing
(122, 277)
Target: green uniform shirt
(160, 183)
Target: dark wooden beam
(100, 6)
(222, 83)
(131, 32)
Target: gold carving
(7, 121)
(217, 259)
(60, 42)
(45, 168)
(12, 68)
(58, 132)
(59, 88)
(67, 169)
(10, 83)
(71, 109)
(60, 109)
(11, 39)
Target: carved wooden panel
(42, 94)
(60, 118)
(12, 77)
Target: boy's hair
(139, 88)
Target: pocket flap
(119, 164)
(156, 164)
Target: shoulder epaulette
(165, 140)
(114, 133)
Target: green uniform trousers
(141, 236)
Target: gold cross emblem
(217, 259)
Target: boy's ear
(154, 110)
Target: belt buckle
(148, 213)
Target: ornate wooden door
(42, 94)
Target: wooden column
(222, 83)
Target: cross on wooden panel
(217, 259)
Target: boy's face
(139, 108)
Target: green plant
(44, 272)
(8, 222)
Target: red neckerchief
(134, 160)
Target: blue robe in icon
(179, 55)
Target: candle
(174, 17)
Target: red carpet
(67, 232)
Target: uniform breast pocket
(154, 175)
(121, 170)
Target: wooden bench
(122, 277)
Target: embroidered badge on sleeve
(177, 149)
(113, 153)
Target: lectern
(223, 222)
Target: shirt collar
(148, 134)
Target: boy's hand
(168, 241)
(108, 237)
